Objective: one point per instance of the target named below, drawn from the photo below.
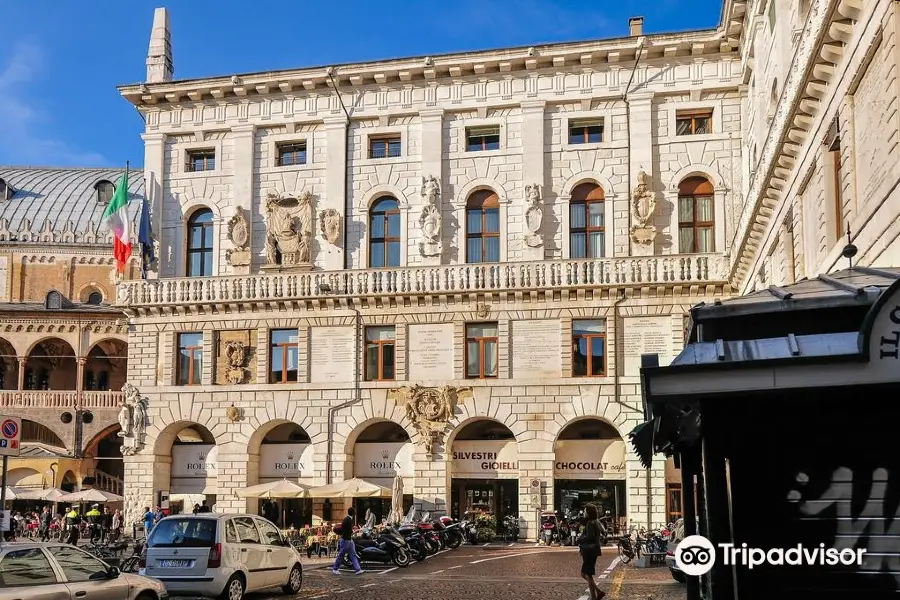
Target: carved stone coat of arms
(429, 410)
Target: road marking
(616, 584)
(475, 562)
(386, 571)
(586, 595)
(365, 586)
(609, 569)
(436, 572)
(511, 545)
(486, 545)
(456, 567)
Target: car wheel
(678, 576)
(234, 589)
(295, 580)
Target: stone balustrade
(693, 269)
(58, 399)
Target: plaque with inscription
(646, 335)
(331, 354)
(430, 351)
(536, 349)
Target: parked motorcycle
(417, 545)
(453, 532)
(387, 548)
(469, 530)
(511, 528)
(549, 528)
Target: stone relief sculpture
(534, 216)
(288, 230)
(429, 410)
(430, 219)
(235, 362)
(234, 414)
(330, 225)
(132, 420)
(643, 205)
(239, 236)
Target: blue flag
(145, 238)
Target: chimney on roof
(636, 26)
(159, 56)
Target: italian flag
(116, 218)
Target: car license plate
(175, 564)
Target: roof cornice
(708, 44)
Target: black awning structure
(784, 402)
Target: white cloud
(23, 137)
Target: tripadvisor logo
(696, 555)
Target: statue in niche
(534, 215)
(132, 420)
(643, 205)
(430, 218)
(288, 230)
(239, 236)
(330, 225)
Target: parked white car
(223, 556)
(674, 539)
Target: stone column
(432, 164)
(536, 461)
(432, 490)
(331, 256)
(23, 360)
(232, 476)
(532, 174)
(242, 195)
(79, 380)
(145, 475)
(640, 141)
(154, 168)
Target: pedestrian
(148, 521)
(347, 545)
(106, 525)
(589, 548)
(204, 507)
(94, 517)
(115, 526)
(44, 527)
(196, 508)
(73, 520)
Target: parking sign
(10, 436)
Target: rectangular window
(283, 359)
(201, 160)
(482, 350)
(190, 358)
(673, 501)
(290, 154)
(380, 361)
(834, 156)
(588, 348)
(696, 221)
(586, 131)
(482, 138)
(384, 146)
(693, 122)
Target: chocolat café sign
(590, 459)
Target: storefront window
(608, 496)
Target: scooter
(387, 548)
(469, 530)
(549, 528)
(417, 544)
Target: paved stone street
(495, 573)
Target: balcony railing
(450, 279)
(59, 399)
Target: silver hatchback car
(62, 572)
(223, 556)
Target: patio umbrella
(91, 496)
(275, 489)
(351, 488)
(14, 493)
(396, 515)
(47, 495)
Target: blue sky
(60, 60)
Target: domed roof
(62, 205)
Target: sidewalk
(631, 583)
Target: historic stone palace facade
(447, 268)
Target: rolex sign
(286, 461)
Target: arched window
(384, 233)
(483, 227)
(587, 227)
(696, 216)
(105, 191)
(200, 244)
